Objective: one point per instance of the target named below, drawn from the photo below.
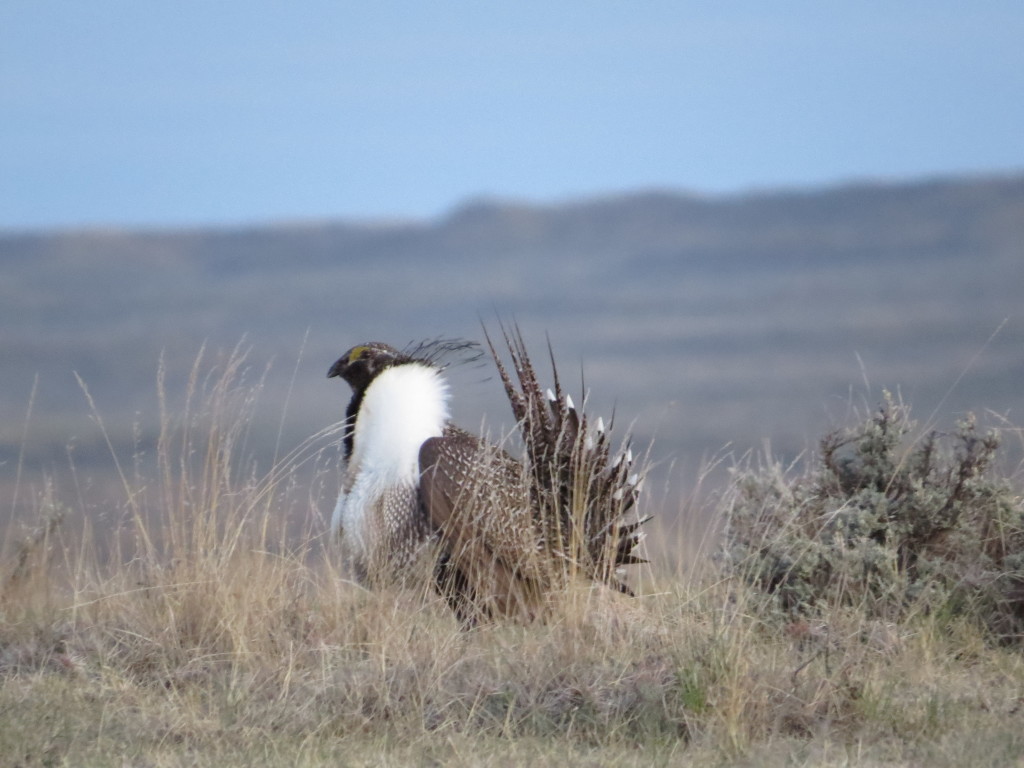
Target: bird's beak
(337, 368)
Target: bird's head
(364, 362)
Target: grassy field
(210, 626)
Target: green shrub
(890, 526)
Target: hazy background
(741, 221)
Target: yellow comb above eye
(356, 353)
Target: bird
(501, 534)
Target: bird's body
(504, 533)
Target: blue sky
(126, 113)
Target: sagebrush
(888, 524)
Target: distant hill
(710, 321)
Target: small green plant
(892, 527)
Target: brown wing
(474, 494)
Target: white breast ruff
(404, 406)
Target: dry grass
(218, 632)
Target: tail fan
(583, 498)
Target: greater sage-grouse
(505, 534)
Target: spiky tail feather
(583, 498)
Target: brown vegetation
(219, 636)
